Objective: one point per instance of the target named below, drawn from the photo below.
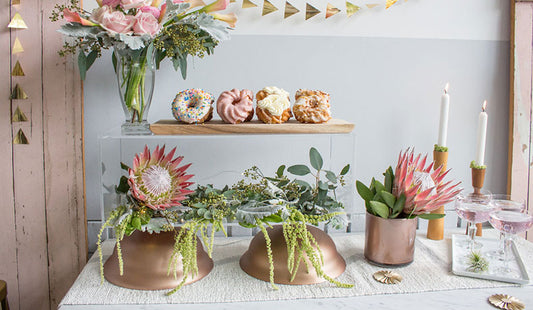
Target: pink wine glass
(474, 208)
(504, 202)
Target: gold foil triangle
(19, 116)
(17, 22)
(331, 10)
(310, 11)
(390, 3)
(18, 93)
(232, 1)
(17, 47)
(290, 10)
(371, 6)
(246, 4)
(268, 8)
(20, 138)
(351, 8)
(17, 70)
(15, 2)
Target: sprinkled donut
(193, 106)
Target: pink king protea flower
(157, 181)
(423, 188)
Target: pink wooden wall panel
(520, 121)
(43, 218)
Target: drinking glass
(509, 223)
(505, 203)
(474, 208)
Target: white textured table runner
(430, 271)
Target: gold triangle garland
(20, 138)
(310, 11)
(232, 1)
(351, 8)
(371, 6)
(15, 2)
(18, 93)
(390, 3)
(17, 22)
(268, 8)
(17, 47)
(17, 70)
(290, 10)
(246, 4)
(19, 116)
(331, 10)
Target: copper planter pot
(255, 261)
(389, 242)
(146, 258)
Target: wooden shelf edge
(217, 127)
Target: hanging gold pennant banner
(246, 4)
(17, 70)
(18, 93)
(17, 47)
(331, 10)
(20, 138)
(351, 8)
(15, 2)
(371, 6)
(290, 10)
(310, 11)
(268, 8)
(19, 116)
(232, 1)
(390, 3)
(17, 22)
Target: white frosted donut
(193, 106)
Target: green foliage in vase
(439, 148)
(474, 165)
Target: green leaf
(283, 183)
(315, 159)
(345, 170)
(273, 218)
(399, 205)
(91, 58)
(389, 198)
(299, 170)
(136, 223)
(82, 64)
(378, 186)
(149, 55)
(123, 186)
(431, 216)
(364, 191)
(380, 209)
(114, 61)
(123, 166)
(331, 176)
(280, 171)
(323, 185)
(302, 183)
(201, 211)
(183, 66)
(208, 215)
(389, 179)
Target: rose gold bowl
(389, 242)
(255, 261)
(146, 258)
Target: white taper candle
(444, 111)
(481, 135)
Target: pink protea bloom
(423, 187)
(156, 180)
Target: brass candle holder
(436, 227)
(478, 178)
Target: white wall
(385, 70)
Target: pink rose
(146, 23)
(152, 10)
(134, 4)
(111, 3)
(117, 22)
(97, 15)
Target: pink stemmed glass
(474, 208)
(504, 202)
(510, 223)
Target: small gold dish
(506, 302)
(388, 277)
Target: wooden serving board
(218, 127)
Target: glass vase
(135, 72)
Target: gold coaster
(388, 277)
(506, 302)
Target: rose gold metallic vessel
(255, 261)
(389, 242)
(146, 258)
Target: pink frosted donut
(236, 106)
